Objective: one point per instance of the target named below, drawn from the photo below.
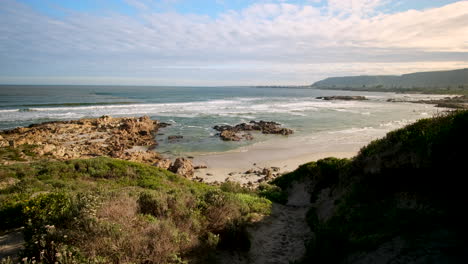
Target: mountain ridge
(434, 79)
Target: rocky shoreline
(457, 102)
(122, 138)
(126, 138)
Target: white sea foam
(244, 107)
(9, 110)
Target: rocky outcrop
(123, 138)
(457, 102)
(183, 167)
(174, 138)
(343, 97)
(241, 131)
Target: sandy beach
(285, 153)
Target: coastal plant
(234, 187)
(272, 193)
(21, 153)
(406, 186)
(105, 210)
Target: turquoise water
(193, 111)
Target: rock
(174, 138)
(231, 173)
(251, 171)
(3, 142)
(48, 148)
(247, 136)
(183, 167)
(200, 167)
(163, 163)
(148, 157)
(209, 174)
(238, 132)
(342, 97)
(228, 135)
(162, 125)
(89, 137)
(266, 172)
(276, 169)
(198, 179)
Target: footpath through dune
(280, 237)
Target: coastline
(285, 154)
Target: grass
(19, 153)
(107, 210)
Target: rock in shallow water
(238, 132)
(343, 97)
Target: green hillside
(456, 80)
(401, 200)
(105, 210)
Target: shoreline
(283, 154)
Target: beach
(282, 153)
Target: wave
(26, 110)
(9, 110)
(78, 104)
(237, 107)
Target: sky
(226, 42)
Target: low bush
(111, 211)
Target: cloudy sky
(226, 42)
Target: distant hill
(455, 79)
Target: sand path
(278, 238)
(11, 243)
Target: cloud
(260, 43)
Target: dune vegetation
(400, 199)
(104, 210)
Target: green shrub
(154, 204)
(273, 193)
(107, 210)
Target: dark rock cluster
(241, 131)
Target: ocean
(193, 111)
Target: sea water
(193, 111)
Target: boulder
(174, 138)
(228, 135)
(163, 164)
(183, 167)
